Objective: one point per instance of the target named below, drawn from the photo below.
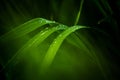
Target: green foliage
(44, 49)
(30, 26)
(34, 42)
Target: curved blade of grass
(25, 29)
(34, 42)
(78, 41)
(48, 59)
(50, 55)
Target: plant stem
(79, 13)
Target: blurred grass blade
(101, 8)
(79, 13)
(24, 29)
(107, 6)
(79, 41)
(34, 42)
(55, 46)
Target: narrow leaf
(34, 42)
(24, 29)
(55, 46)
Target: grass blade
(100, 8)
(55, 46)
(24, 29)
(79, 13)
(107, 6)
(50, 55)
(34, 42)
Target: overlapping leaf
(38, 39)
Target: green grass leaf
(49, 57)
(24, 29)
(34, 42)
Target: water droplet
(55, 42)
(43, 33)
(46, 28)
(60, 35)
(53, 21)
